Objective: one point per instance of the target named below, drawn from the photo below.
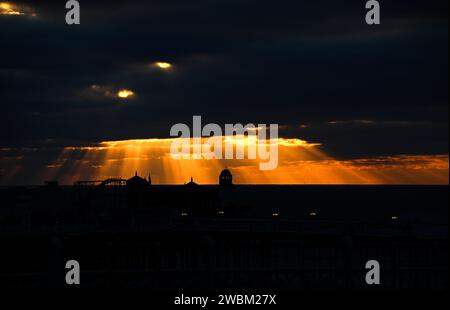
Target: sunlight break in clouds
(300, 162)
(162, 65)
(125, 93)
(8, 8)
(101, 91)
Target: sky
(363, 104)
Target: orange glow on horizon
(300, 162)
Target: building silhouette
(134, 234)
(138, 183)
(225, 178)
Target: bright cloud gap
(8, 8)
(300, 162)
(163, 65)
(99, 91)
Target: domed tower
(226, 178)
(137, 182)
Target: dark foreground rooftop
(212, 237)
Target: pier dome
(225, 178)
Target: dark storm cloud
(287, 62)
